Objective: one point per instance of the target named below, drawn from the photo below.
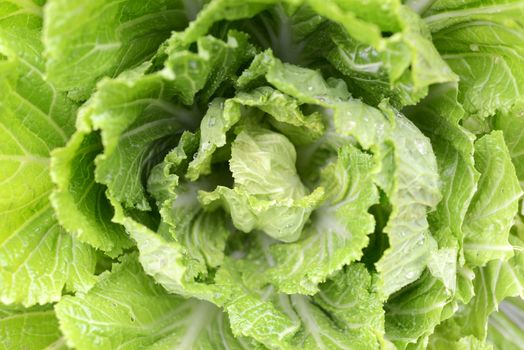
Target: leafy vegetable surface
(261, 174)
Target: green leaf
(409, 175)
(137, 120)
(355, 16)
(464, 343)
(299, 322)
(189, 243)
(139, 117)
(173, 262)
(211, 13)
(263, 164)
(443, 13)
(255, 173)
(482, 43)
(37, 258)
(414, 189)
(266, 186)
(250, 213)
(338, 229)
(250, 314)
(135, 113)
(225, 58)
(285, 116)
(126, 309)
(400, 67)
(358, 310)
(511, 124)
(505, 329)
(85, 42)
(493, 283)
(495, 204)
(220, 117)
(32, 328)
(414, 311)
(215, 65)
(79, 202)
(438, 117)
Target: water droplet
(205, 146)
(364, 55)
(310, 88)
(211, 122)
(380, 129)
(410, 274)
(421, 146)
(193, 64)
(231, 41)
(474, 47)
(132, 319)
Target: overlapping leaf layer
(261, 174)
